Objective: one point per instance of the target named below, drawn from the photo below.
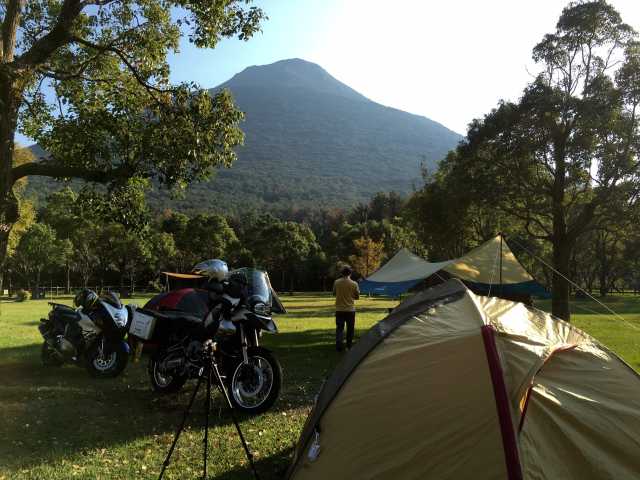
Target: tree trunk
(9, 213)
(68, 278)
(37, 289)
(561, 288)
(605, 267)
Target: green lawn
(60, 423)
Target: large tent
(457, 386)
(491, 267)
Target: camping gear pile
(452, 385)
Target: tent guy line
(606, 307)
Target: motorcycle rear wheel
(106, 365)
(49, 356)
(160, 381)
(253, 388)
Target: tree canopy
(562, 160)
(89, 81)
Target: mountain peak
(292, 73)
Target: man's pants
(341, 318)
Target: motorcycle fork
(243, 344)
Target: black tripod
(209, 370)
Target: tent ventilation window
(314, 449)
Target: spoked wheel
(105, 362)
(162, 380)
(255, 386)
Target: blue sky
(451, 60)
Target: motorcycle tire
(108, 367)
(160, 383)
(49, 357)
(255, 387)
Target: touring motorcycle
(231, 315)
(90, 335)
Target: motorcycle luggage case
(142, 325)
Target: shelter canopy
(491, 265)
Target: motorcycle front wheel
(107, 363)
(161, 381)
(254, 387)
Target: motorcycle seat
(174, 316)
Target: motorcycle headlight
(120, 319)
(262, 309)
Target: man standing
(345, 291)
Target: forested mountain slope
(312, 141)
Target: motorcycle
(91, 334)
(230, 316)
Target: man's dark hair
(346, 271)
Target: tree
(563, 160)
(163, 251)
(368, 257)
(205, 237)
(282, 248)
(38, 249)
(85, 257)
(66, 258)
(129, 253)
(89, 81)
(61, 212)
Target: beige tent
(456, 386)
(489, 268)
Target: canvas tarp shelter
(174, 281)
(490, 267)
(457, 386)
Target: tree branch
(59, 35)
(123, 57)
(9, 29)
(57, 170)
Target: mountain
(311, 140)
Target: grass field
(60, 423)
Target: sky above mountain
(450, 61)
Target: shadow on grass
(301, 312)
(50, 413)
(270, 468)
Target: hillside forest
(556, 170)
(85, 238)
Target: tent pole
(500, 264)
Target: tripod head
(209, 349)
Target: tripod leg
(165, 464)
(207, 409)
(223, 389)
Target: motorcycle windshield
(258, 285)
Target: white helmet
(215, 269)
